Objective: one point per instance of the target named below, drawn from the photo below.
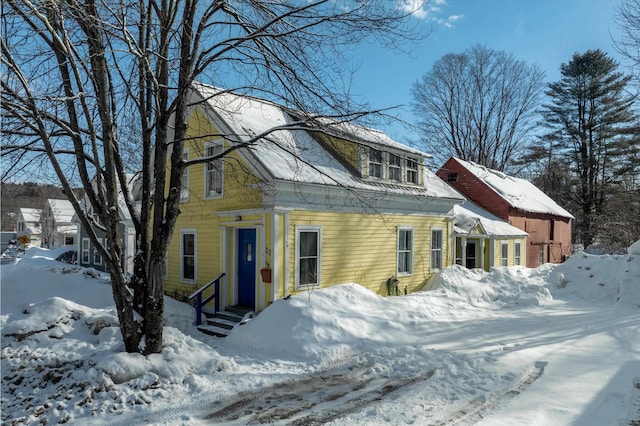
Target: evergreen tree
(591, 116)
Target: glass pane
(249, 252)
(308, 271)
(308, 244)
(436, 259)
(436, 239)
(404, 261)
(188, 247)
(405, 239)
(188, 267)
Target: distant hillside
(13, 196)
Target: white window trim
(207, 194)
(517, 256)
(441, 249)
(411, 251)
(195, 255)
(86, 251)
(307, 228)
(504, 261)
(184, 191)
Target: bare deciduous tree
(84, 82)
(628, 20)
(477, 105)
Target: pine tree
(591, 115)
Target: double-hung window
(188, 255)
(375, 163)
(516, 253)
(504, 251)
(395, 167)
(436, 249)
(308, 255)
(86, 251)
(405, 251)
(411, 165)
(184, 183)
(213, 170)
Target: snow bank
(601, 279)
(63, 360)
(503, 286)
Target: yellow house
(292, 209)
(482, 240)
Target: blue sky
(545, 32)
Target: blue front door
(247, 267)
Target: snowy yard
(547, 346)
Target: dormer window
(412, 170)
(375, 163)
(393, 167)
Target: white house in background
(28, 226)
(57, 224)
(483, 240)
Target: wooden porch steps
(221, 324)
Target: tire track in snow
(313, 400)
(479, 408)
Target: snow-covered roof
(30, 215)
(291, 153)
(67, 229)
(467, 215)
(133, 182)
(62, 210)
(519, 193)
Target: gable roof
(30, 215)
(468, 215)
(134, 182)
(519, 193)
(62, 210)
(289, 152)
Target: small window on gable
(412, 170)
(184, 183)
(213, 171)
(375, 163)
(452, 177)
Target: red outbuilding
(520, 203)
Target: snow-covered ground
(547, 346)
